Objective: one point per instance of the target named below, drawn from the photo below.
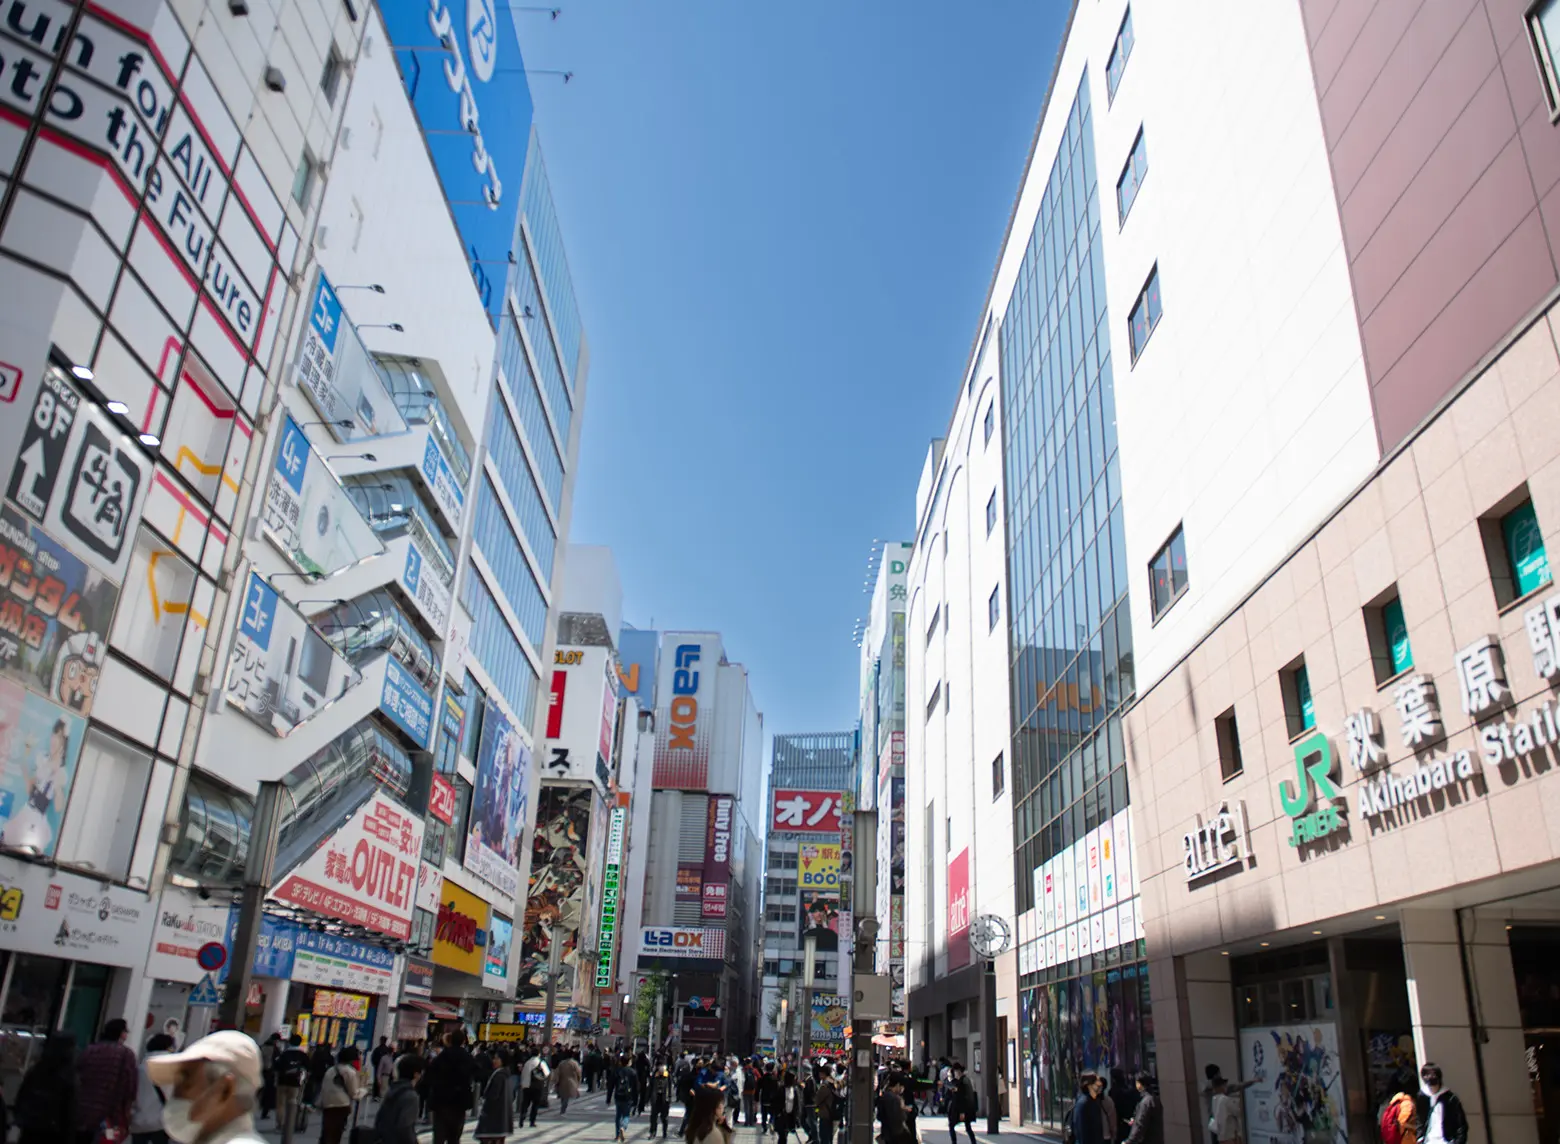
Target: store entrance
(39, 994)
(1535, 960)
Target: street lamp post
(809, 969)
(554, 949)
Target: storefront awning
(433, 1009)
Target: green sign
(1315, 769)
(1525, 548)
(609, 900)
(1397, 636)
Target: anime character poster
(555, 901)
(1297, 1095)
(499, 803)
(39, 748)
(819, 877)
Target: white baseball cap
(228, 1047)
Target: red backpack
(1395, 1119)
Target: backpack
(1393, 1128)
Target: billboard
(460, 64)
(636, 665)
(366, 872)
(1294, 1095)
(495, 958)
(307, 515)
(555, 898)
(606, 936)
(55, 914)
(717, 855)
(578, 743)
(40, 745)
(406, 703)
(690, 884)
(959, 910)
(460, 934)
(682, 942)
(442, 483)
(423, 578)
(805, 811)
(280, 670)
(818, 884)
(830, 1015)
(499, 803)
(337, 374)
(685, 692)
(54, 615)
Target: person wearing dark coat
(1441, 1116)
(396, 1121)
(1148, 1121)
(45, 1105)
(496, 1113)
(1088, 1119)
(626, 1089)
(448, 1081)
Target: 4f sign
(685, 705)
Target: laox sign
(674, 939)
(685, 708)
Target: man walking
(566, 1081)
(292, 1065)
(1441, 1116)
(449, 1078)
(106, 1082)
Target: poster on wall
(818, 885)
(307, 515)
(54, 615)
(337, 374)
(498, 805)
(40, 745)
(555, 897)
(1296, 1094)
(281, 671)
(495, 958)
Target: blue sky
(781, 220)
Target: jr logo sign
(1316, 768)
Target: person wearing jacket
(533, 1086)
(396, 1121)
(626, 1092)
(1148, 1124)
(146, 1115)
(45, 1105)
(789, 1106)
(661, 1099)
(495, 1117)
(1440, 1113)
(339, 1090)
(448, 1081)
(566, 1081)
(1087, 1121)
(963, 1104)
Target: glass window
(991, 512)
(476, 705)
(1167, 573)
(1120, 51)
(525, 497)
(1299, 709)
(330, 78)
(1524, 544)
(457, 829)
(991, 421)
(993, 608)
(931, 704)
(1227, 732)
(1544, 32)
(303, 179)
(520, 382)
(104, 816)
(931, 628)
(1145, 313)
(998, 776)
(533, 317)
(495, 539)
(1132, 174)
(496, 648)
(541, 219)
(1396, 626)
(149, 624)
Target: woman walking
(495, 1118)
(339, 1090)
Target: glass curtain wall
(1070, 635)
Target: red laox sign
(959, 910)
(717, 856)
(365, 873)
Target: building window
(1299, 711)
(931, 704)
(1167, 573)
(931, 628)
(991, 421)
(1145, 313)
(1131, 176)
(1120, 52)
(103, 818)
(1387, 633)
(1544, 37)
(991, 512)
(998, 776)
(330, 78)
(303, 179)
(457, 834)
(1514, 548)
(993, 609)
(1228, 735)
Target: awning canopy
(433, 1009)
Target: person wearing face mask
(212, 1088)
(1440, 1114)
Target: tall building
(255, 431)
(808, 777)
(699, 908)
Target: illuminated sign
(610, 888)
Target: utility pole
(863, 894)
(554, 948)
(258, 870)
(809, 969)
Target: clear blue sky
(781, 220)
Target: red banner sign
(441, 799)
(717, 855)
(808, 811)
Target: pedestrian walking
(496, 1117)
(270, 1049)
(627, 1092)
(45, 1105)
(340, 1088)
(827, 1105)
(212, 1087)
(1225, 1121)
(1440, 1112)
(533, 1087)
(146, 1117)
(1087, 1121)
(961, 1103)
(1148, 1122)
(384, 1069)
(661, 1099)
(750, 1094)
(566, 1081)
(707, 1117)
(788, 1109)
(292, 1070)
(396, 1121)
(106, 1083)
(448, 1080)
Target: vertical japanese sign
(307, 514)
(959, 910)
(685, 715)
(281, 671)
(717, 856)
(337, 374)
(607, 935)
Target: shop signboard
(959, 910)
(460, 935)
(418, 978)
(498, 805)
(830, 1015)
(184, 924)
(610, 892)
(342, 963)
(508, 1033)
(281, 672)
(685, 692)
(307, 514)
(717, 855)
(366, 872)
(40, 745)
(55, 613)
(818, 887)
(1219, 843)
(330, 1003)
(441, 482)
(441, 793)
(430, 881)
(806, 811)
(424, 584)
(55, 914)
(495, 958)
(337, 374)
(1296, 1084)
(637, 650)
(582, 705)
(555, 897)
(683, 942)
(406, 703)
(690, 884)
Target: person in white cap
(212, 1087)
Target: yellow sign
(353, 1006)
(819, 868)
(459, 937)
(568, 657)
(501, 1032)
